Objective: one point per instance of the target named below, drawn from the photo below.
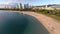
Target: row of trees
(51, 12)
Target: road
(49, 23)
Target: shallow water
(16, 23)
(34, 26)
(12, 23)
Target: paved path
(52, 26)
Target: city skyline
(31, 2)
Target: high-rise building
(26, 6)
(21, 6)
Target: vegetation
(51, 13)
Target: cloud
(8, 1)
(13, 0)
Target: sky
(31, 2)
